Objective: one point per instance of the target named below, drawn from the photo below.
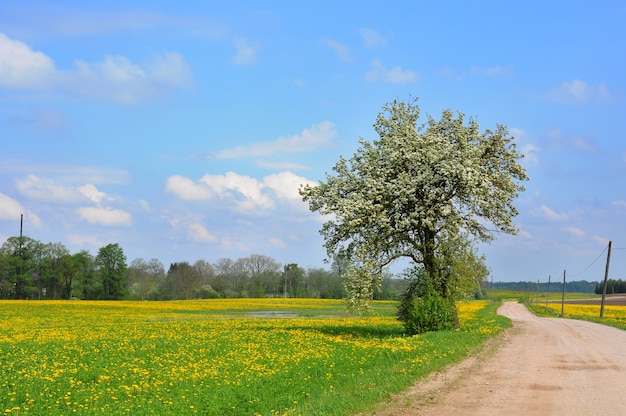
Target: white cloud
(576, 232)
(186, 189)
(198, 233)
(315, 137)
(396, 75)
(372, 38)
(120, 80)
(105, 216)
(530, 151)
(10, 209)
(286, 185)
(21, 67)
(246, 52)
(243, 192)
(115, 79)
(602, 241)
(39, 189)
(93, 194)
(578, 92)
(525, 234)
(341, 50)
(549, 214)
(527, 148)
(233, 185)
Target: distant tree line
(578, 286)
(30, 269)
(612, 286)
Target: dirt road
(542, 366)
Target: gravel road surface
(541, 366)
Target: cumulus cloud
(578, 92)
(120, 80)
(105, 216)
(372, 38)
(317, 136)
(246, 190)
(197, 232)
(116, 78)
(39, 189)
(10, 209)
(245, 193)
(246, 52)
(341, 50)
(286, 185)
(92, 193)
(186, 189)
(396, 75)
(21, 67)
(46, 190)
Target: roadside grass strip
(216, 357)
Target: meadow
(614, 315)
(217, 357)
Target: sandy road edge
(434, 386)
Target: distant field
(587, 309)
(217, 357)
(556, 295)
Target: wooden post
(606, 278)
(563, 296)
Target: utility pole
(548, 291)
(563, 296)
(606, 278)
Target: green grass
(213, 358)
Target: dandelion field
(217, 357)
(614, 315)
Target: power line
(588, 267)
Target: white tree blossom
(399, 194)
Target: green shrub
(430, 312)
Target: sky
(182, 130)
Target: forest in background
(30, 269)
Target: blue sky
(182, 130)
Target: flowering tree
(404, 194)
